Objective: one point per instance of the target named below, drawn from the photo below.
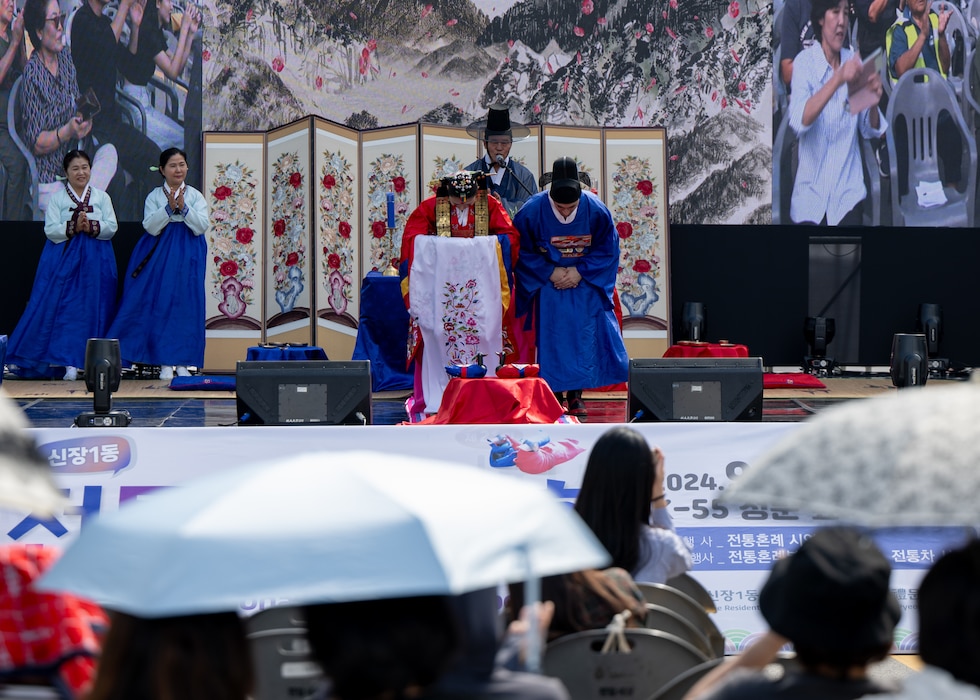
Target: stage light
(929, 322)
(908, 361)
(818, 332)
(103, 370)
(693, 321)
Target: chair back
(919, 98)
(677, 687)
(972, 16)
(284, 665)
(687, 607)
(666, 620)
(654, 658)
(278, 617)
(784, 164)
(15, 125)
(685, 583)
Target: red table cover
(692, 349)
(493, 400)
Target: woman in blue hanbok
(161, 315)
(74, 294)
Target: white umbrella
(323, 527)
(25, 476)
(910, 457)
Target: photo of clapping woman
(49, 102)
(153, 51)
(829, 187)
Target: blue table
(274, 352)
(382, 333)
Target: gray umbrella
(910, 457)
(25, 475)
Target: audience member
(13, 57)
(99, 56)
(829, 187)
(190, 657)
(949, 630)
(510, 182)
(457, 291)
(586, 600)
(874, 18)
(795, 35)
(382, 649)
(52, 638)
(566, 275)
(622, 499)
(52, 124)
(912, 41)
(161, 315)
(831, 600)
(474, 672)
(152, 52)
(74, 293)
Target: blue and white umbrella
(323, 527)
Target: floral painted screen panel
(336, 251)
(635, 190)
(389, 163)
(287, 286)
(234, 188)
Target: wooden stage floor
(153, 404)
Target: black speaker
(909, 360)
(695, 389)
(319, 392)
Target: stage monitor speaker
(296, 392)
(695, 389)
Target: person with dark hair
(457, 253)
(510, 182)
(474, 673)
(378, 649)
(831, 600)
(622, 500)
(191, 657)
(74, 293)
(566, 276)
(949, 630)
(49, 97)
(829, 187)
(152, 52)
(99, 56)
(161, 315)
(13, 57)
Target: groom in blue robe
(566, 273)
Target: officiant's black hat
(497, 123)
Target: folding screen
(288, 287)
(235, 189)
(300, 216)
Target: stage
(52, 404)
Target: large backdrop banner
(734, 545)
